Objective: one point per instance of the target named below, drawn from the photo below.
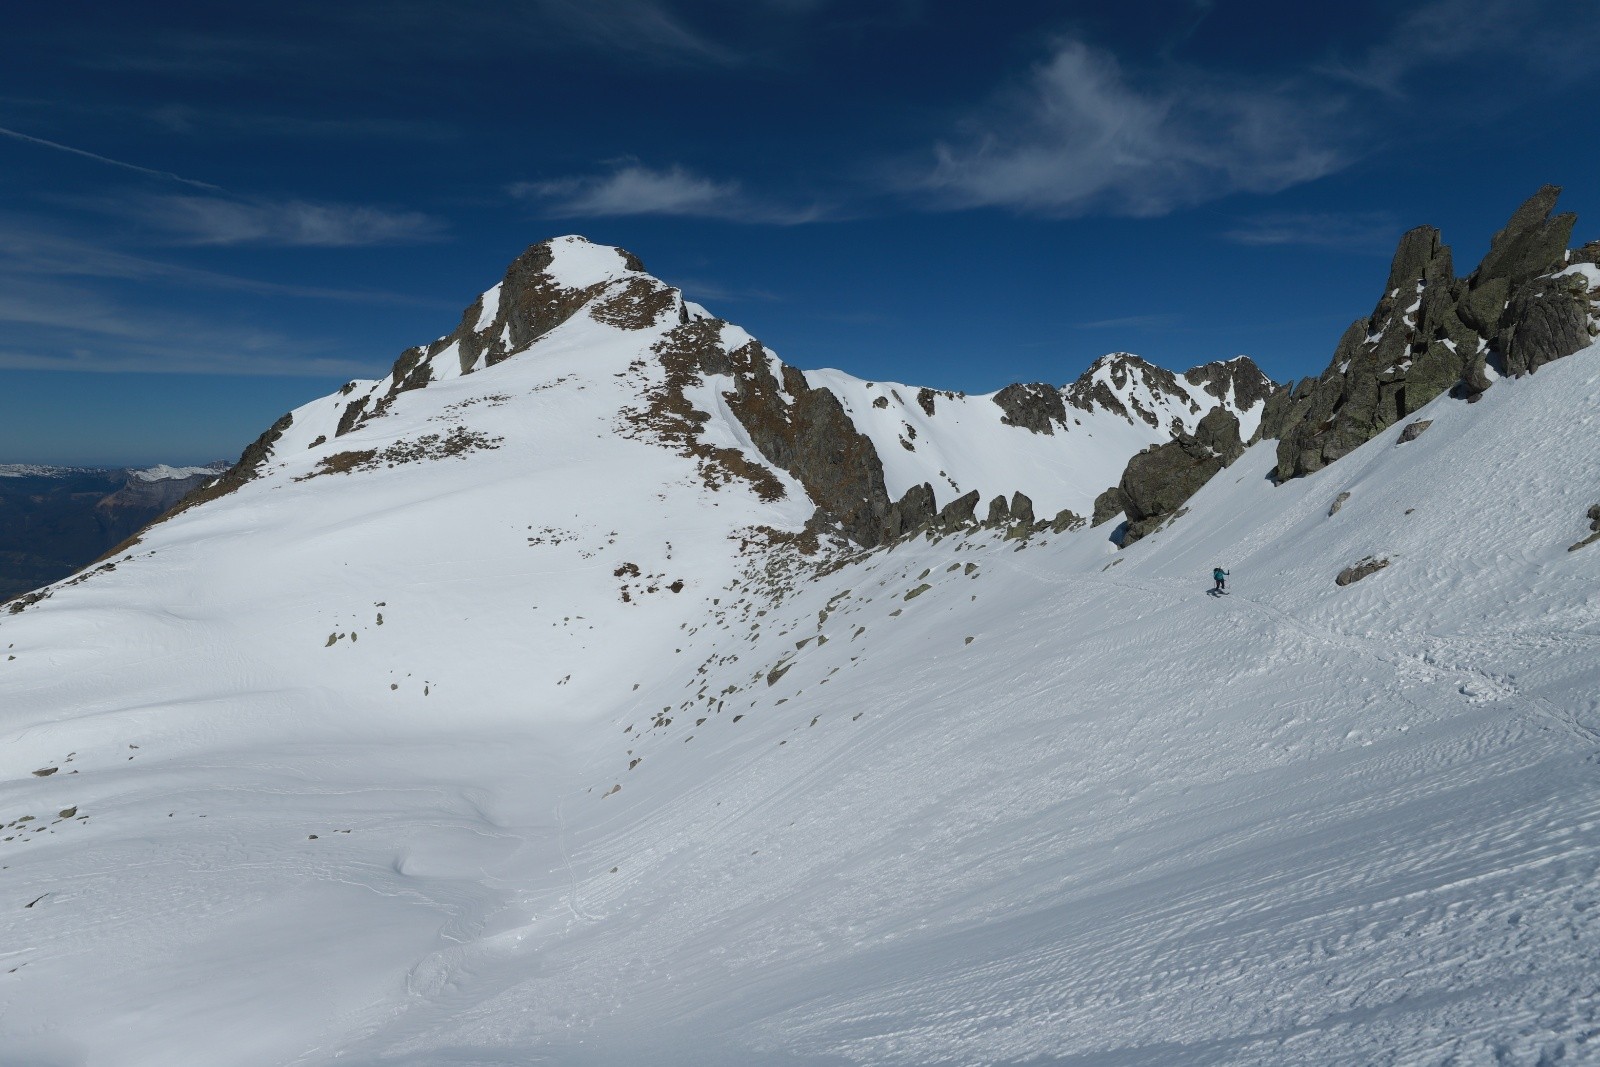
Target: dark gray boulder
(999, 512)
(910, 513)
(1594, 525)
(1414, 430)
(1366, 567)
(960, 512)
(1219, 431)
(1161, 479)
(1021, 509)
(1066, 520)
(1108, 505)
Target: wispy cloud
(1079, 137)
(1131, 322)
(56, 327)
(633, 189)
(220, 220)
(107, 160)
(26, 252)
(638, 27)
(1370, 231)
(241, 360)
(1558, 39)
(333, 37)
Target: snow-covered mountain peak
(1138, 391)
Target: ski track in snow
(387, 783)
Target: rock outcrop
(1432, 332)
(1365, 568)
(1594, 527)
(1414, 430)
(1108, 505)
(1158, 481)
(1032, 405)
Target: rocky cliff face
(1432, 332)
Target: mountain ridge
(840, 436)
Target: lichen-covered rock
(999, 512)
(1066, 520)
(1531, 244)
(1433, 333)
(1021, 509)
(1108, 505)
(1219, 431)
(1032, 405)
(1158, 481)
(959, 512)
(1368, 566)
(1545, 322)
(911, 512)
(1414, 430)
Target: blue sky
(210, 214)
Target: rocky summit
(1529, 302)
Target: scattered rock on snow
(1338, 502)
(1594, 524)
(1367, 566)
(1414, 430)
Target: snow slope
(962, 443)
(430, 763)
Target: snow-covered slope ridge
(510, 728)
(1060, 447)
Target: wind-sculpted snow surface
(558, 751)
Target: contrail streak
(107, 160)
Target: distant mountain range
(54, 520)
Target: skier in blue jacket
(1221, 578)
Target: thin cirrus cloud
(1079, 138)
(1556, 40)
(1371, 231)
(216, 220)
(29, 253)
(638, 190)
(53, 327)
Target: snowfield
(530, 754)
